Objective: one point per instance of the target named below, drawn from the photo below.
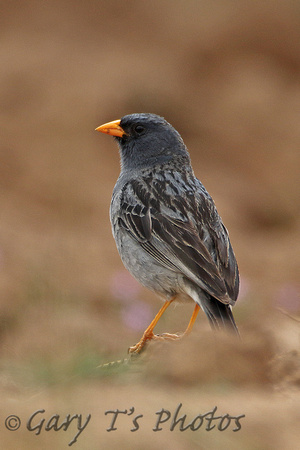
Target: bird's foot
(137, 348)
(168, 336)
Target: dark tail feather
(219, 315)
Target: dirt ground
(226, 75)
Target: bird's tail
(219, 315)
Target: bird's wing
(185, 234)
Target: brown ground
(226, 75)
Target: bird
(167, 230)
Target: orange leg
(148, 334)
(188, 329)
(192, 321)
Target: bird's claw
(168, 336)
(138, 348)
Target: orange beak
(112, 128)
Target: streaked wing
(183, 233)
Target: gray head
(145, 140)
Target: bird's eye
(139, 129)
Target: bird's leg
(148, 334)
(192, 320)
(188, 329)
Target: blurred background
(226, 74)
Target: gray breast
(144, 267)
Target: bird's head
(145, 140)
